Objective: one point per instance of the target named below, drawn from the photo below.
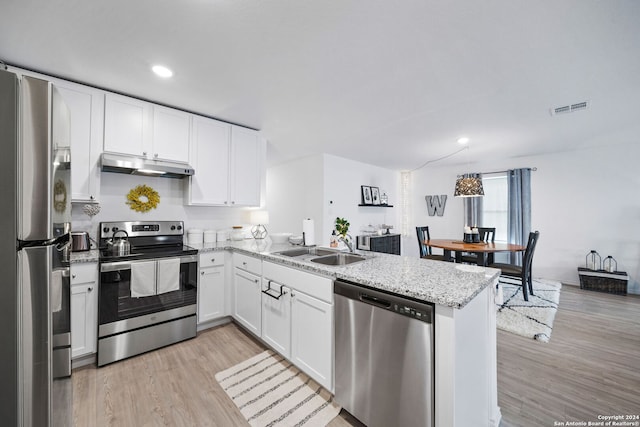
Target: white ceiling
(383, 82)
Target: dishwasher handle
(418, 310)
(378, 302)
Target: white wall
(343, 178)
(581, 200)
(113, 191)
(324, 187)
(293, 193)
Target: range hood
(132, 165)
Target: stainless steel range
(148, 288)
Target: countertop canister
(195, 235)
(237, 233)
(209, 236)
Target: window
(495, 205)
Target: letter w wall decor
(435, 204)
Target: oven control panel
(142, 228)
(145, 227)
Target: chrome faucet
(346, 242)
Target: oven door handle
(126, 265)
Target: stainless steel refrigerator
(35, 210)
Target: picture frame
(375, 196)
(366, 195)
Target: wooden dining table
(482, 249)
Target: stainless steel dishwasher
(384, 372)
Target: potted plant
(342, 228)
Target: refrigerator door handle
(36, 335)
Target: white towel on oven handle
(168, 275)
(143, 279)
(56, 289)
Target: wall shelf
(376, 206)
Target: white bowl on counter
(279, 237)
(296, 240)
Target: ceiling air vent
(570, 108)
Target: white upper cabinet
(86, 109)
(229, 164)
(210, 159)
(170, 134)
(246, 166)
(146, 130)
(126, 125)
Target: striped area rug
(270, 391)
(533, 318)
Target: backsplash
(113, 196)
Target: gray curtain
(473, 207)
(519, 183)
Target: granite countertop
(443, 283)
(85, 256)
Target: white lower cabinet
(299, 324)
(84, 309)
(211, 289)
(276, 317)
(247, 302)
(312, 337)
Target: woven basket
(603, 281)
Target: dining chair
(522, 272)
(487, 235)
(425, 251)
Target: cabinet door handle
(89, 289)
(213, 260)
(202, 273)
(73, 276)
(144, 153)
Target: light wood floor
(172, 386)
(591, 366)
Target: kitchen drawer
(84, 273)
(248, 263)
(311, 284)
(211, 259)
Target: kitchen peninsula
(465, 330)
(463, 295)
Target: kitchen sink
(338, 259)
(305, 251)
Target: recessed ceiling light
(463, 140)
(162, 71)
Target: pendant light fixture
(469, 184)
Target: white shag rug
(533, 318)
(270, 391)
